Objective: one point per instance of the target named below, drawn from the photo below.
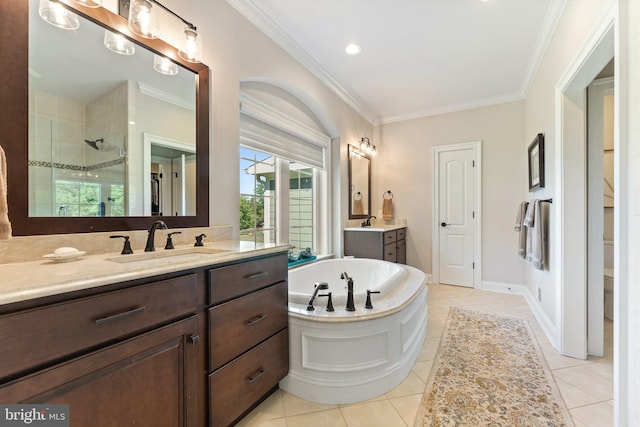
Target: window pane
(257, 196)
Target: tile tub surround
(32, 248)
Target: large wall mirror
(359, 184)
(97, 141)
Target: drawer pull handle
(255, 377)
(118, 316)
(256, 275)
(257, 319)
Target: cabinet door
(364, 244)
(401, 251)
(149, 380)
(390, 252)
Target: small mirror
(359, 184)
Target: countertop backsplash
(33, 248)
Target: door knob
(443, 224)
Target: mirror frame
(14, 126)
(352, 151)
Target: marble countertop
(377, 227)
(29, 280)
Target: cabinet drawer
(390, 252)
(402, 233)
(238, 325)
(44, 334)
(236, 386)
(389, 236)
(155, 373)
(240, 279)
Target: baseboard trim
(545, 323)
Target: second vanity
(189, 340)
(385, 242)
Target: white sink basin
(166, 257)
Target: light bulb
(57, 15)
(192, 50)
(117, 43)
(143, 19)
(164, 65)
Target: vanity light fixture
(118, 43)
(143, 21)
(164, 65)
(57, 15)
(367, 147)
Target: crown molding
(545, 35)
(452, 108)
(160, 94)
(257, 17)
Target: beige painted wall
(404, 166)
(578, 21)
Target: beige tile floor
(585, 385)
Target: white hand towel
(536, 235)
(5, 225)
(521, 229)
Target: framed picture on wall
(536, 163)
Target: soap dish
(65, 254)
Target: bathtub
(344, 357)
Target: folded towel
(387, 209)
(535, 221)
(358, 208)
(522, 235)
(5, 225)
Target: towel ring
(387, 195)
(357, 196)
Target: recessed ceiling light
(352, 49)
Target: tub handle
(256, 275)
(257, 319)
(256, 376)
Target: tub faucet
(350, 304)
(150, 247)
(367, 222)
(318, 287)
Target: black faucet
(350, 304)
(318, 286)
(367, 222)
(150, 247)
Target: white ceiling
(419, 57)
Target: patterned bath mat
(489, 371)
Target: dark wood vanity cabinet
(126, 357)
(386, 245)
(192, 348)
(249, 341)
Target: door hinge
(473, 265)
(473, 214)
(473, 163)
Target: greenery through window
(77, 198)
(257, 196)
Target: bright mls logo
(34, 415)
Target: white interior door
(456, 216)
